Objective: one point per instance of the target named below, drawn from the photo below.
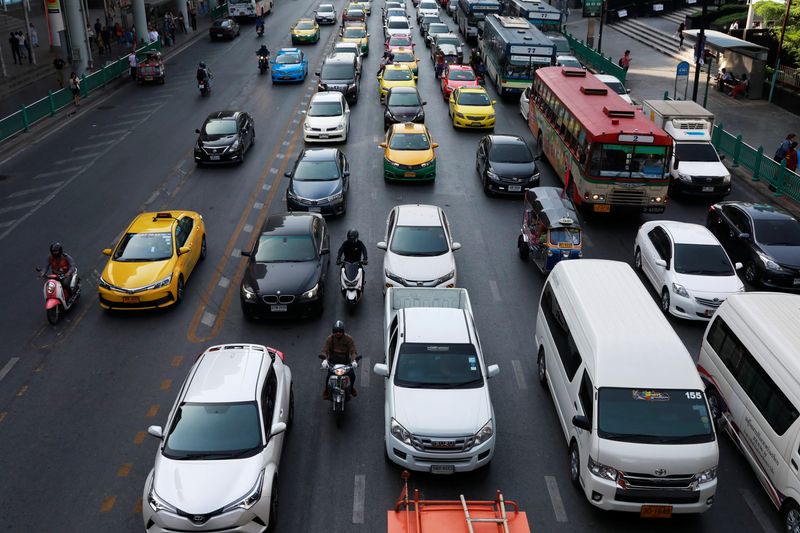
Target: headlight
(485, 433)
(234, 146)
(400, 433)
(769, 263)
(680, 290)
(159, 284)
(103, 283)
(460, 115)
(684, 177)
(427, 163)
(602, 471)
(492, 175)
(156, 502)
(311, 293)
(393, 163)
(706, 476)
(490, 117)
(249, 499)
(335, 197)
(450, 275)
(306, 126)
(726, 178)
(394, 277)
(247, 292)
(351, 86)
(323, 86)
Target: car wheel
(574, 465)
(751, 273)
(203, 248)
(273, 505)
(637, 259)
(522, 248)
(541, 367)
(179, 290)
(665, 300)
(791, 517)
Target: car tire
(791, 516)
(751, 273)
(273, 505)
(203, 248)
(290, 417)
(179, 290)
(637, 260)
(522, 248)
(574, 465)
(541, 367)
(665, 300)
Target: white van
(750, 363)
(626, 392)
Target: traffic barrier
(594, 59)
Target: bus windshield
(627, 161)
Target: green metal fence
(45, 107)
(594, 59)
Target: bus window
(615, 160)
(649, 161)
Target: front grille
(627, 197)
(707, 180)
(412, 283)
(647, 488)
(213, 150)
(716, 302)
(442, 444)
(278, 299)
(649, 481)
(475, 118)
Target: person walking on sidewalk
(784, 147)
(625, 60)
(75, 87)
(34, 36)
(132, 64)
(791, 157)
(21, 46)
(107, 38)
(193, 17)
(91, 35)
(681, 27)
(27, 45)
(14, 47)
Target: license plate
(442, 469)
(130, 299)
(708, 189)
(601, 208)
(277, 308)
(148, 78)
(514, 188)
(476, 124)
(323, 136)
(409, 175)
(220, 34)
(656, 511)
(214, 158)
(315, 209)
(565, 245)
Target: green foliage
(723, 23)
(768, 10)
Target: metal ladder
(503, 519)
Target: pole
(77, 37)
(701, 45)
(25, 8)
(780, 47)
(600, 36)
(85, 12)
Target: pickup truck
(438, 412)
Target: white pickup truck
(438, 413)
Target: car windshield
(702, 260)
(419, 241)
(355, 33)
(325, 109)
(438, 366)
(473, 99)
(338, 72)
(409, 141)
(284, 248)
(403, 99)
(288, 59)
(325, 8)
(564, 62)
(397, 74)
(565, 235)
(213, 431)
(428, 6)
(452, 41)
(220, 127)
(316, 171)
(511, 153)
(777, 232)
(616, 86)
(461, 75)
(662, 416)
(698, 152)
(398, 24)
(404, 57)
(144, 247)
(304, 26)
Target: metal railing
(594, 59)
(789, 76)
(45, 107)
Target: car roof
(357, 25)
(155, 221)
(473, 90)
(409, 127)
(563, 57)
(226, 114)
(326, 5)
(227, 373)
(398, 18)
(289, 223)
(686, 233)
(418, 215)
(759, 211)
(327, 96)
(318, 154)
(448, 34)
(605, 78)
(506, 139)
(436, 325)
(346, 44)
(305, 20)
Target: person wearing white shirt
(132, 64)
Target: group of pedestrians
(21, 46)
(787, 150)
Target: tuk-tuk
(450, 53)
(550, 231)
(151, 68)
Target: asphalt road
(76, 399)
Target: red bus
(609, 155)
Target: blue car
(289, 65)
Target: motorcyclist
(62, 265)
(259, 24)
(475, 59)
(387, 59)
(352, 250)
(339, 349)
(263, 51)
(203, 74)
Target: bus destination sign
(532, 50)
(636, 138)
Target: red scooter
(57, 301)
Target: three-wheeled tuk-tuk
(151, 68)
(551, 231)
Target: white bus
(248, 9)
(750, 363)
(626, 392)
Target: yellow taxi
(356, 33)
(305, 31)
(395, 76)
(366, 6)
(471, 107)
(150, 264)
(408, 153)
(405, 56)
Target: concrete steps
(679, 16)
(664, 42)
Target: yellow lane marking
(153, 410)
(108, 504)
(22, 390)
(139, 438)
(124, 470)
(3, 416)
(137, 509)
(177, 360)
(166, 384)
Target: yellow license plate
(656, 511)
(130, 299)
(565, 245)
(602, 208)
(409, 175)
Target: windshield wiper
(633, 437)
(465, 384)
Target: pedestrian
(98, 27)
(34, 36)
(681, 28)
(21, 46)
(152, 35)
(193, 18)
(58, 64)
(101, 44)
(129, 39)
(182, 23)
(107, 38)
(14, 47)
(783, 148)
(27, 44)
(734, 26)
(625, 60)
(132, 64)
(91, 35)
(75, 87)
(791, 157)
(740, 87)
(120, 34)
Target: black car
(340, 73)
(506, 165)
(766, 239)
(224, 29)
(434, 29)
(287, 268)
(224, 137)
(319, 182)
(427, 20)
(325, 14)
(403, 104)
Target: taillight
(278, 353)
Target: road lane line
(124, 470)
(208, 319)
(8, 366)
(152, 410)
(224, 282)
(137, 509)
(248, 228)
(259, 205)
(358, 498)
(77, 157)
(59, 172)
(495, 290)
(236, 252)
(25, 192)
(108, 504)
(177, 360)
(365, 372)
(7, 224)
(519, 374)
(18, 207)
(758, 513)
(107, 134)
(139, 438)
(555, 499)
(22, 390)
(94, 145)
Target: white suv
(217, 463)
(327, 118)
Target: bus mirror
(676, 163)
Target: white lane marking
(95, 145)
(6, 369)
(18, 206)
(237, 252)
(152, 197)
(107, 134)
(258, 205)
(555, 498)
(495, 290)
(209, 319)
(224, 282)
(59, 172)
(25, 192)
(7, 224)
(273, 170)
(519, 374)
(76, 157)
(365, 372)
(758, 513)
(248, 228)
(279, 156)
(358, 498)
(267, 186)
(125, 122)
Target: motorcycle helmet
(202, 64)
(337, 327)
(352, 235)
(56, 249)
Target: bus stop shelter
(737, 56)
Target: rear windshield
(438, 366)
(400, 40)
(354, 33)
(438, 28)
(338, 72)
(697, 152)
(288, 59)
(398, 24)
(404, 57)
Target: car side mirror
(661, 263)
(156, 431)
(381, 369)
(106, 251)
(197, 131)
(492, 371)
(183, 250)
(277, 428)
(424, 103)
(346, 173)
(456, 246)
(722, 157)
(494, 102)
(676, 163)
(246, 253)
(435, 145)
(627, 91)
(382, 245)
(581, 422)
(316, 74)
(288, 173)
(738, 266)
(382, 145)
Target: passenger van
(626, 392)
(750, 364)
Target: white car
(325, 14)
(396, 25)
(419, 248)
(427, 8)
(327, 118)
(568, 61)
(616, 85)
(687, 266)
(349, 48)
(525, 103)
(216, 467)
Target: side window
(586, 395)
(559, 330)
(656, 236)
(390, 225)
(268, 401)
(392, 341)
(182, 230)
(737, 218)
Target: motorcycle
(339, 386)
(204, 87)
(56, 302)
(352, 282)
(263, 63)
(260, 31)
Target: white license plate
(514, 188)
(277, 308)
(148, 78)
(442, 469)
(315, 209)
(214, 158)
(323, 136)
(476, 124)
(220, 34)
(708, 189)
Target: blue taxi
(290, 64)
